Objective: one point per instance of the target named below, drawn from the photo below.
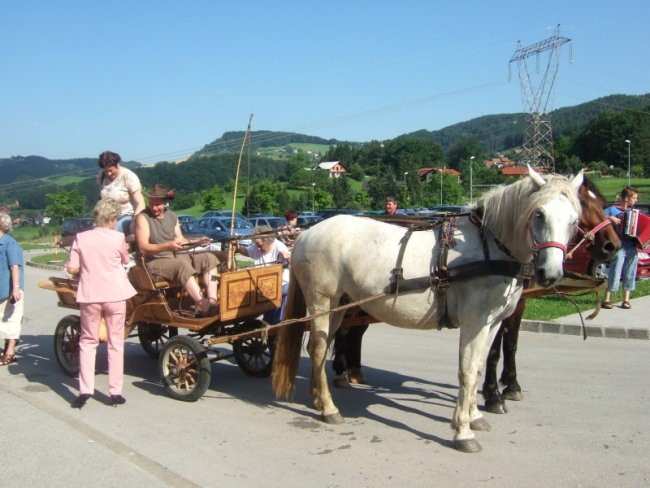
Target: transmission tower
(537, 91)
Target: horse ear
(536, 177)
(577, 181)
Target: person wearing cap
(160, 240)
(123, 185)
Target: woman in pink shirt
(99, 256)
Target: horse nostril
(609, 248)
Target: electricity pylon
(537, 91)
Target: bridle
(589, 235)
(543, 245)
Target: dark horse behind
(602, 245)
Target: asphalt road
(584, 421)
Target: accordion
(636, 225)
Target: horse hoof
(333, 418)
(496, 407)
(469, 446)
(480, 424)
(356, 377)
(514, 395)
(341, 381)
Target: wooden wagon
(160, 309)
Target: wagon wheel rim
(256, 353)
(182, 368)
(66, 344)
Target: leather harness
(443, 275)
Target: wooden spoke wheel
(255, 355)
(66, 344)
(184, 368)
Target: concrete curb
(592, 331)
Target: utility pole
(536, 95)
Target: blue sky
(157, 80)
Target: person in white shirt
(266, 249)
(123, 185)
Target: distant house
(334, 168)
(427, 174)
(519, 171)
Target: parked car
(224, 213)
(188, 222)
(72, 227)
(274, 222)
(218, 229)
(305, 221)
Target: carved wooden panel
(249, 292)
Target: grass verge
(552, 307)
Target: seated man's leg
(205, 263)
(180, 270)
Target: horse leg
(512, 390)
(494, 402)
(473, 348)
(477, 421)
(353, 352)
(339, 359)
(319, 340)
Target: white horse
(348, 258)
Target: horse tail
(289, 342)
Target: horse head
(553, 213)
(595, 228)
(535, 219)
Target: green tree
(66, 203)
(213, 198)
(264, 198)
(443, 189)
(322, 199)
(296, 171)
(341, 192)
(381, 187)
(463, 150)
(361, 200)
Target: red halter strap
(590, 235)
(543, 245)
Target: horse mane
(591, 187)
(508, 208)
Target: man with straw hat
(160, 240)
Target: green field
(611, 186)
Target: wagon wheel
(254, 355)
(66, 344)
(184, 368)
(154, 336)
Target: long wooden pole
(231, 249)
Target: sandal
(626, 305)
(7, 360)
(608, 305)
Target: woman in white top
(266, 249)
(123, 185)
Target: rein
(590, 236)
